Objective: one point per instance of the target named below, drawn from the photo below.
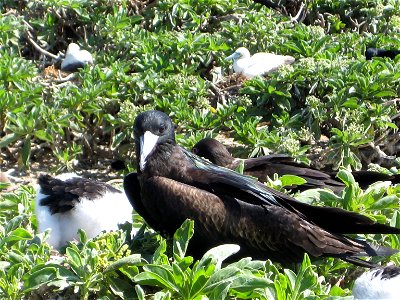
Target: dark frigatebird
(375, 52)
(266, 166)
(173, 184)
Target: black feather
(63, 195)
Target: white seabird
(378, 284)
(68, 202)
(75, 58)
(259, 64)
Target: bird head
(241, 52)
(151, 128)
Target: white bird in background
(68, 202)
(378, 284)
(75, 58)
(259, 64)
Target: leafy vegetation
(332, 108)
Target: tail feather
(360, 262)
(366, 178)
(337, 220)
(376, 250)
(369, 250)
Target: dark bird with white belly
(68, 202)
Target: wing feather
(262, 231)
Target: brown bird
(266, 166)
(173, 185)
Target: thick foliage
(331, 105)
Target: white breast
(376, 284)
(103, 213)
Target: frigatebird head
(214, 151)
(151, 128)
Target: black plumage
(173, 184)
(68, 202)
(63, 195)
(375, 52)
(266, 166)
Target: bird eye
(195, 150)
(161, 129)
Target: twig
(394, 117)
(27, 24)
(232, 87)
(57, 14)
(313, 87)
(67, 78)
(390, 102)
(40, 49)
(10, 12)
(115, 181)
(61, 85)
(218, 93)
(297, 17)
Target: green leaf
(8, 139)
(181, 239)
(18, 258)
(346, 177)
(18, 235)
(26, 151)
(199, 281)
(131, 260)
(291, 276)
(155, 275)
(185, 262)
(162, 295)
(289, 180)
(42, 276)
(121, 288)
(220, 291)
(351, 103)
(159, 256)
(218, 254)
(74, 257)
(245, 285)
(118, 139)
(390, 201)
(179, 276)
(228, 273)
(43, 135)
(240, 167)
(140, 292)
(50, 274)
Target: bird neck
(166, 160)
(240, 64)
(223, 159)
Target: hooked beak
(233, 56)
(148, 142)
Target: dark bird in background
(173, 184)
(68, 202)
(375, 52)
(382, 283)
(266, 166)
